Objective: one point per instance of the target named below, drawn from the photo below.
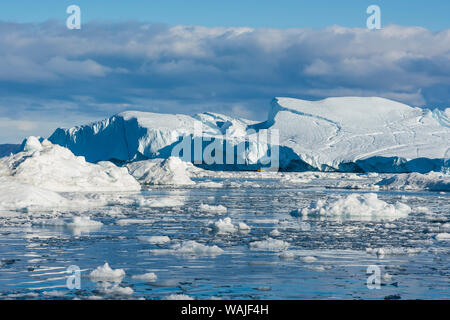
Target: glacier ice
(335, 134)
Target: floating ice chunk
(154, 239)
(358, 206)
(386, 277)
(159, 203)
(80, 222)
(316, 268)
(147, 277)
(243, 227)
(443, 237)
(83, 224)
(192, 248)
(445, 226)
(117, 290)
(56, 168)
(275, 233)
(432, 181)
(308, 259)
(178, 297)
(170, 171)
(211, 208)
(105, 273)
(286, 255)
(381, 252)
(209, 184)
(269, 245)
(224, 226)
(125, 222)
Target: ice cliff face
(346, 134)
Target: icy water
(35, 255)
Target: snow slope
(345, 134)
(362, 134)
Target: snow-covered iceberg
(344, 134)
(432, 181)
(46, 166)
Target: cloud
(60, 75)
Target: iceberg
(351, 134)
(432, 181)
(51, 167)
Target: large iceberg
(335, 134)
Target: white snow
(171, 171)
(269, 245)
(365, 206)
(56, 168)
(432, 181)
(105, 273)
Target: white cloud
(49, 71)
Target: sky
(230, 57)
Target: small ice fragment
(308, 259)
(147, 277)
(105, 273)
(275, 233)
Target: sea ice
(154, 239)
(146, 277)
(365, 206)
(105, 273)
(269, 245)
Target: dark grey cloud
(51, 76)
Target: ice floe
(147, 277)
(107, 274)
(269, 245)
(364, 206)
(154, 239)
